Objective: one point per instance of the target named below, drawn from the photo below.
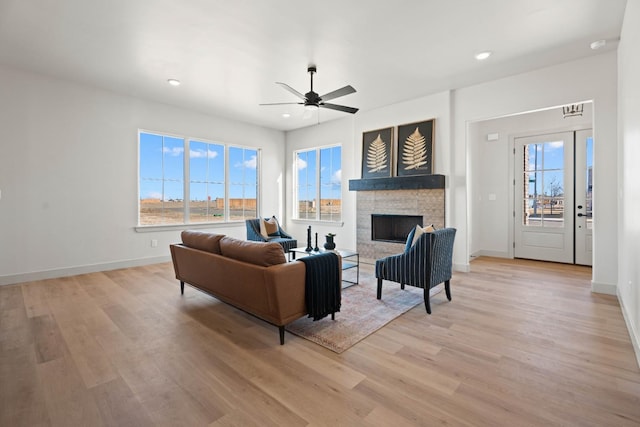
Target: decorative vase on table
(330, 244)
(309, 247)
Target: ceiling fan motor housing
(312, 97)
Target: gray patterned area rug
(361, 313)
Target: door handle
(581, 214)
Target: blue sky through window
(306, 164)
(161, 167)
(206, 170)
(546, 168)
(243, 177)
(316, 199)
(331, 173)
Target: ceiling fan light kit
(312, 101)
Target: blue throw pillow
(410, 239)
(412, 235)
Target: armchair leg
(427, 305)
(379, 295)
(447, 289)
(402, 286)
(181, 287)
(281, 329)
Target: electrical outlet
(154, 243)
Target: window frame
(318, 186)
(186, 180)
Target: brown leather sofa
(252, 276)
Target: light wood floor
(521, 344)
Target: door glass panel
(589, 186)
(544, 185)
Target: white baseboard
(463, 268)
(604, 288)
(494, 254)
(633, 334)
(83, 269)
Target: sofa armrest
(286, 290)
(284, 234)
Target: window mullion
(318, 184)
(186, 181)
(226, 183)
(163, 179)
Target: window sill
(199, 225)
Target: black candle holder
(309, 248)
(316, 249)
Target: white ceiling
(229, 54)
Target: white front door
(544, 183)
(584, 197)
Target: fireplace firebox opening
(393, 228)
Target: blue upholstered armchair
(285, 240)
(424, 265)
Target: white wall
(68, 175)
(592, 78)
(492, 173)
(629, 172)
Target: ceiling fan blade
(338, 93)
(284, 103)
(339, 108)
(292, 90)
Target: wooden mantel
(398, 183)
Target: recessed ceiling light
(483, 55)
(598, 44)
(174, 82)
(286, 115)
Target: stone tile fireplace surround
(418, 195)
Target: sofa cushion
(269, 227)
(201, 240)
(258, 253)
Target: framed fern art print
(376, 153)
(415, 148)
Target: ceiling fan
(311, 100)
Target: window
(206, 182)
(544, 184)
(243, 183)
(161, 179)
(318, 193)
(214, 183)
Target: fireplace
(393, 228)
(421, 197)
